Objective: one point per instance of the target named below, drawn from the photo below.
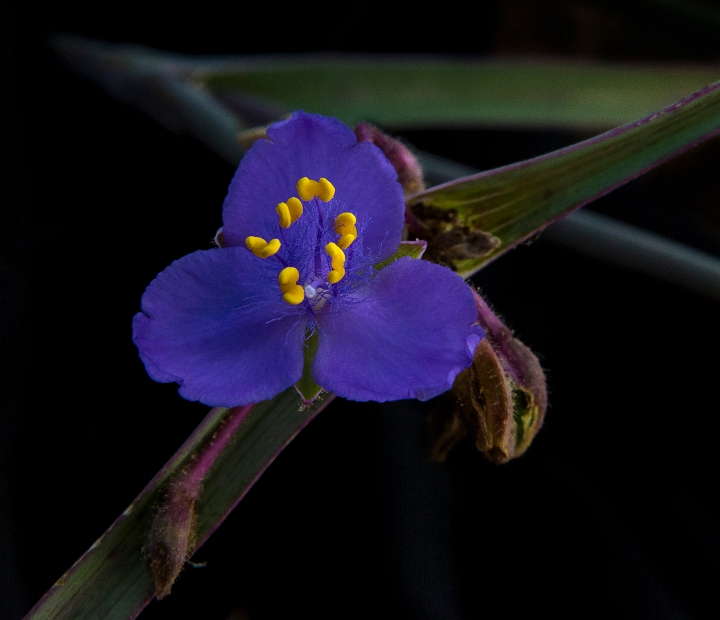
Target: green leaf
(112, 579)
(517, 201)
(214, 98)
(211, 99)
(454, 93)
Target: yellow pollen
(345, 227)
(336, 275)
(284, 213)
(289, 211)
(292, 292)
(345, 241)
(308, 189)
(262, 248)
(325, 190)
(345, 219)
(295, 207)
(338, 263)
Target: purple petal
(404, 335)
(215, 322)
(367, 186)
(473, 340)
(316, 146)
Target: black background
(610, 514)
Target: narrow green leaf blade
(112, 580)
(454, 92)
(517, 201)
(215, 97)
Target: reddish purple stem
(198, 468)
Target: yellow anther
(295, 207)
(294, 296)
(343, 220)
(288, 277)
(345, 241)
(284, 214)
(292, 292)
(289, 211)
(335, 275)
(345, 227)
(262, 248)
(338, 263)
(325, 190)
(337, 255)
(307, 188)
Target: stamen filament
(318, 248)
(288, 213)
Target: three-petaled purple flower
(308, 214)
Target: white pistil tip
(310, 292)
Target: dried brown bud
(448, 240)
(172, 536)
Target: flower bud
(173, 533)
(501, 399)
(405, 163)
(448, 239)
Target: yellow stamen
(288, 277)
(345, 241)
(325, 190)
(284, 213)
(345, 227)
(335, 275)
(307, 188)
(337, 255)
(292, 292)
(262, 248)
(343, 220)
(338, 263)
(295, 296)
(289, 211)
(295, 207)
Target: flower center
(316, 288)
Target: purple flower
(308, 215)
